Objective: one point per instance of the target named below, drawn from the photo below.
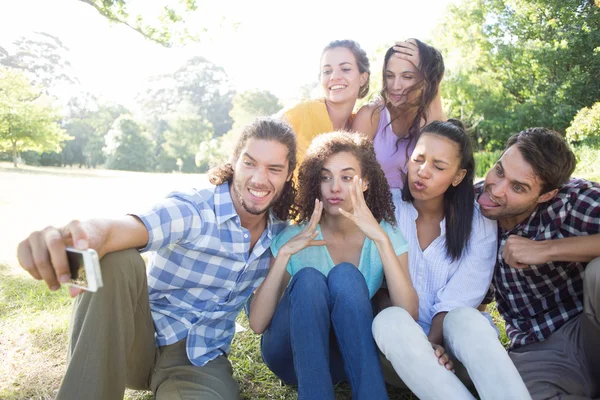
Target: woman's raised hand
(307, 236)
(409, 51)
(362, 215)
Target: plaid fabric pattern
(538, 300)
(203, 271)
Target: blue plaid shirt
(203, 271)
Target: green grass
(33, 347)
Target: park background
(160, 89)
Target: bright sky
(264, 44)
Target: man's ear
(547, 196)
(460, 175)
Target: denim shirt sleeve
(470, 282)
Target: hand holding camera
(63, 256)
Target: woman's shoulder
(367, 118)
(304, 106)
(482, 226)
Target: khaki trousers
(567, 364)
(112, 345)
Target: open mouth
(488, 202)
(337, 87)
(259, 193)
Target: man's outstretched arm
(43, 253)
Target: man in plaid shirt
(170, 330)
(547, 279)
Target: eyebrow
(513, 180)
(435, 160)
(343, 170)
(256, 161)
(342, 63)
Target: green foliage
(43, 57)
(127, 146)
(587, 160)
(165, 25)
(513, 64)
(585, 127)
(88, 122)
(28, 121)
(182, 140)
(484, 161)
(251, 104)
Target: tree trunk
(14, 153)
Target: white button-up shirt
(443, 284)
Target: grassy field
(34, 321)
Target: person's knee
(347, 281)
(393, 325)
(308, 280)
(592, 272)
(467, 325)
(121, 266)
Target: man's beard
(254, 211)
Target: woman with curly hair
(314, 305)
(409, 99)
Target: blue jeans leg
(352, 318)
(296, 346)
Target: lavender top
(391, 159)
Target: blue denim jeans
(320, 334)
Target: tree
(181, 142)
(88, 121)
(585, 128)
(165, 24)
(515, 64)
(251, 104)
(43, 57)
(128, 147)
(28, 121)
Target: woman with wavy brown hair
(409, 99)
(314, 306)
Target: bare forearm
(436, 333)
(402, 293)
(268, 294)
(119, 234)
(580, 248)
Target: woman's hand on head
(361, 214)
(409, 51)
(306, 237)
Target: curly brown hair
(265, 129)
(378, 196)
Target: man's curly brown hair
(378, 196)
(265, 129)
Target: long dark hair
(458, 200)
(265, 129)
(378, 196)
(431, 70)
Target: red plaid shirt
(538, 300)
